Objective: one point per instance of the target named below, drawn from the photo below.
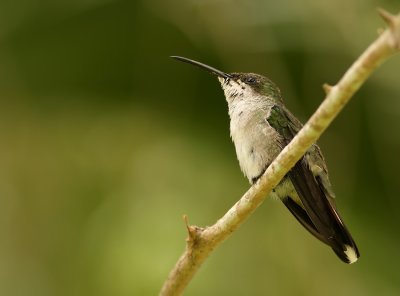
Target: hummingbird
(260, 127)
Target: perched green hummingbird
(261, 126)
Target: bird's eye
(251, 80)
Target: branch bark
(202, 241)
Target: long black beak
(203, 66)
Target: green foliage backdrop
(105, 142)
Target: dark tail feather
(322, 213)
(343, 244)
(301, 215)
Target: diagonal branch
(202, 241)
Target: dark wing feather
(319, 215)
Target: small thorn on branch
(393, 22)
(327, 88)
(190, 229)
(186, 220)
(389, 18)
(193, 231)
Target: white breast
(255, 141)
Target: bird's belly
(252, 161)
(255, 151)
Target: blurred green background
(105, 142)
